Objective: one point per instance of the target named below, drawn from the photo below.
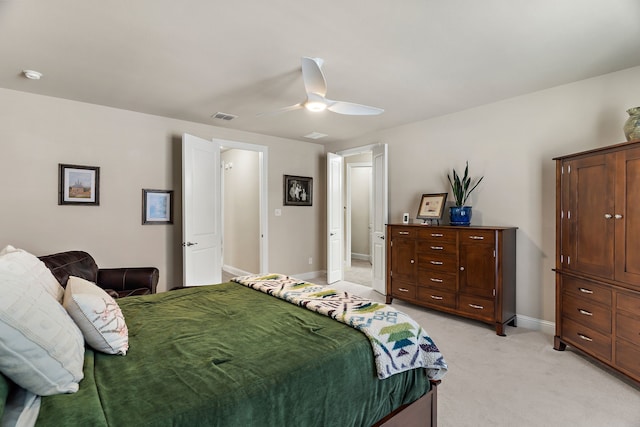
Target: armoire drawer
(587, 339)
(437, 297)
(589, 313)
(588, 290)
(480, 308)
(628, 327)
(627, 357)
(629, 302)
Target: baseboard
(536, 324)
(361, 257)
(310, 275)
(235, 271)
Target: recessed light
(32, 75)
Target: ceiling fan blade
(314, 81)
(352, 109)
(281, 110)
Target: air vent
(315, 135)
(223, 116)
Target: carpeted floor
(517, 380)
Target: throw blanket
(398, 342)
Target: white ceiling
(415, 58)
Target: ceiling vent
(223, 116)
(315, 135)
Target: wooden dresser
(468, 271)
(598, 255)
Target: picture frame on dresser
(431, 206)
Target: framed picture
(157, 206)
(432, 206)
(298, 190)
(78, 185)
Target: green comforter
(226, 355)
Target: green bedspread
(226, 355)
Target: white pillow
(41, 349)
(97, 315)
(31, 269)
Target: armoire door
(590, 216)
(627, 217)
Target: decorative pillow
(97, 315)
(41, 349)
(21, 262)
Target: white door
(334, 218)
(380, 217)
(201, 212)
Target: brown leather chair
(118, 282)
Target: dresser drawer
(437, 279)
(436, 248)
(586, 339)
(403, 290)
(409, 232)
(627, 357)
(584, 289)
(437, 234)
(479, 308)
(437, 297)
(485, 236)
(586, 312)
(628, 327)
(438, 263)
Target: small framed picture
(432, 206)
(157, 206)
(298, 190)
(78, 185)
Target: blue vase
(460, 215)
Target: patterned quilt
(398, 342)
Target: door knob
(189, 244)
(607, 216)
(617, 216)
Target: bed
(229, 355)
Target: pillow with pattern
(97, 315)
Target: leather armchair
(118, 282)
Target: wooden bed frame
(421, 413)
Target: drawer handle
(477, 307)
(403, 290)
(584, 337)
(436, 297)
(585, 291)
(437, 248)
(477, 237)
(585, 312)
(436, 280)
(436, 262)
(403, 232)
(436, 234)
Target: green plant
(460, 186)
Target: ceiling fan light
(315, 106)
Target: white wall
(512, 144)
(134, 151)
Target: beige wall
(512, 144)
(241, 241)
(134, 151)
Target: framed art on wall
(431, 206)
(78, 185)
(298, 190)
(157, 206)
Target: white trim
(361, 257)
(310, 275)
(536, 324)
(235, 271)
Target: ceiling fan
(316, 87)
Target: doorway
(358, 218)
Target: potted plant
(461, 214)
